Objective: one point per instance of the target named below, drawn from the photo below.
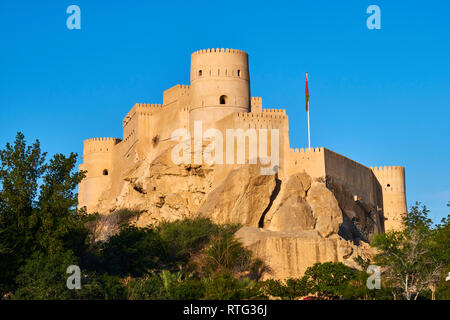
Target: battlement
(276, 111)
(256, 104)
(148, 105)
(391, 178)
(174, 94)
(99, 145)
(266, 114)
(221, 50)
(303, 151)
(141, 108)
(388, 169)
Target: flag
(307, 93)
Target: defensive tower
(392, 181)
(220, 85)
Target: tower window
(223, 99)
(388, 185)
(105, 172)
(199, 73)
(239, 73)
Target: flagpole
(307, 110)
(309, 132)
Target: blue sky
(380, 97)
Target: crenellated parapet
(141, 109)
(220, 50)
(265, 119)
(222, 62)
(256, 104)
(274, 111)
(306, 151)
(95, 145)
(177, 95)
(391, 178)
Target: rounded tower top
(220, 84)
(219, 63)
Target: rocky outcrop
(241, 198)
(161, 190)
(325, 209)
(290, 223)
(289, 254)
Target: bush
(223, 286)
(291, 290)
(44, 277)
(330, 280)
(133, 252)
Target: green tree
(410, 258)
(44, 277)
(226, 254)
(37, 208)
(330, 280)
(133, 252)
(187, 237)
(293, 288)
(224, 286)
(442, 251)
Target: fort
(129, 172)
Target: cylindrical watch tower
(220, 85)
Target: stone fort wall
(219, 95)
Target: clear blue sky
(380, 97)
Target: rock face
(289, 254)
(241, 198)
(290, 224)
(326, 209)
(161, 190)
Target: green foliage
(291, 290)
(413, 259)
(36, 219)
(44, 277)
(330, 279)
(226, 254)
(188, 236)
(149, 287)
(224, 286)
(133, 252)
(165, 285)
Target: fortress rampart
(219, 97)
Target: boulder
(241, 198)
(325, 209)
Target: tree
(442, 251)
(224, 286)
(134, 252)
(36, 219)
(330, 280)
(21, 168)
(294, 288)
(409, 260)
(43, 277)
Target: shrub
(133, 252)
